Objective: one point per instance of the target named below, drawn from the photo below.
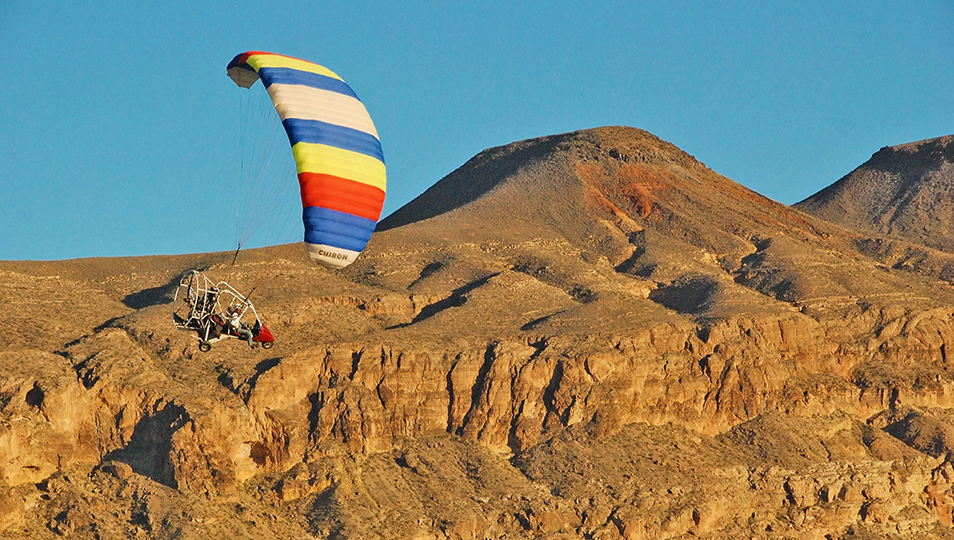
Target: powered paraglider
(216, 311)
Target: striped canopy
(340, 162)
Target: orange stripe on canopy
(343, 195)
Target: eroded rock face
(642, 349)
(50, 418)
(745, 383)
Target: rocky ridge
(903, 191)
(899, 205)
(585, 335)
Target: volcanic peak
(493, 167)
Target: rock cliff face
(585, 335)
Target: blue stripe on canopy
(317, 132)
(280, 75)
(238, 62)
(337, 229)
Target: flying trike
(216, 311)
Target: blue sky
(120, 133)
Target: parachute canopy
(340, 162)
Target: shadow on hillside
(152, 296)
(149, 449)
(687, 296)
(457, 298)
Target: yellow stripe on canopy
(259, 61)
(323, 159)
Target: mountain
(904, 191)
(590, 334)
(898, 206)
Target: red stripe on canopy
(341, 194)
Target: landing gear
(205, 346)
